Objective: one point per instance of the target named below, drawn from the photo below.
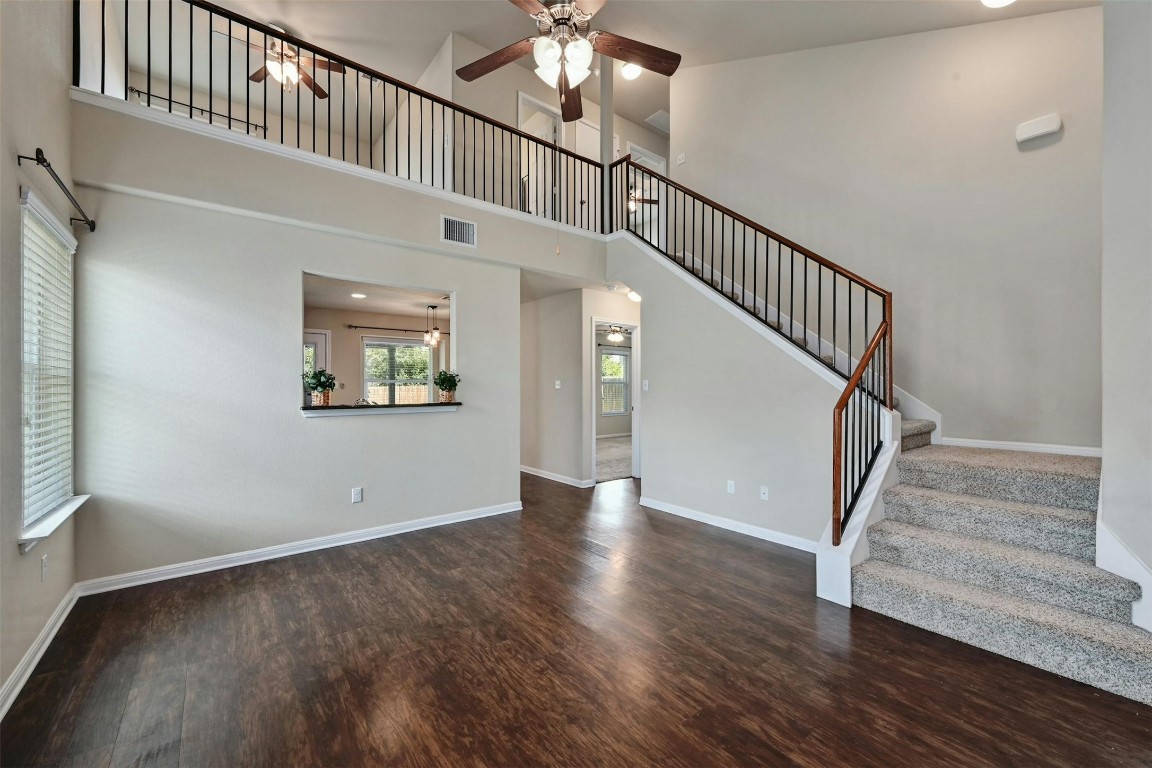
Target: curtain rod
(40, 160)
(379, 328)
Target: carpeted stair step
(1022, 572)
(1070, 532)
(1114, 656)
(916, 433)
(1032, 478)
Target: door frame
(634, 389)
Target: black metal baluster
(104, 53)
(850, 364)
(421, 141)
(171, 10)
(191, 47)
(371, 132)
(149, 48)
(126, 70)
(211, 101)
(835, 281)
(779, 288)
(356, 101)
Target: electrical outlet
(763, 493)
(357, 495)
(557, 383)
(681, 159)
(731, 486)
(44, 568)
(644, 385)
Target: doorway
(615, 421)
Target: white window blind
(46, 296)
(397, 372)
(614, 377)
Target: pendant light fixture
(563, 51)
(432, 334)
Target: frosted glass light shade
(549, 74)
(997, 3)
(577, 75)
(631, 71)
(578, 54)
(546, 51)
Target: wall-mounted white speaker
(1041, 126)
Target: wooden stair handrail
(838, 423)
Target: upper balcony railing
(198, 60)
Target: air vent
(457, 231)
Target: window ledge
(316, 411)
(46, 525)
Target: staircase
(996, 549)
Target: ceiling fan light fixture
(546, 51)
(616, 336)
(291, 73)
(576, 75)
(634, 296)
(578, 53)
(631, 71)
(549, 74)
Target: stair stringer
(834, 564)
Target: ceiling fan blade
(259, 75)
(571, 104)
(494, 61)
(530, 7)
(590, 7)
(648, 56)
(333, 66)
(316, 89)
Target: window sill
(316, 411)
(46, 525)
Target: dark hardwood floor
(585, 630)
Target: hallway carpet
(613, 458)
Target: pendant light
(432, 334)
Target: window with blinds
(614, 369)
(46, 297)
(397, 372)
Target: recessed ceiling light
(634, 296)
(632, 71)
(359, 295)
(997, 3)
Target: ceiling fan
(564, 48)
(285, 64)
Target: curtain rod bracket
(42, 161)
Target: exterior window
(397, 372)
(614, 376)
(46, 364)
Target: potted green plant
(446, 382)
(320, 383)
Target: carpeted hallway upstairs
(996, 549)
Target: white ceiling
(400, 37)
(328, 293)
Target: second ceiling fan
(564, 48)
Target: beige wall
(1126, 498)
(35, 72)
(897, 159)
(346, 359)
(551, 352)
(123, 151)
(692, 442)
(182, 468)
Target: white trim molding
(558, 478)
(1114, 556)
(377, 411)
(15, 682)
(756, 532)
(1005, 445)
(163, 573)
(46, 525)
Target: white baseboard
(15, 682)
(1004, 445)
(163, 573)
(1114, 556)
(558, 478)
(619, 434)
(788, 540)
